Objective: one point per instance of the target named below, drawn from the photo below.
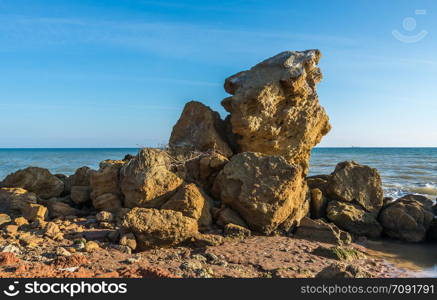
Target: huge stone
(355, 183)
(353, 219)
(37, 180)
(264, 190)
(81, 177)
(408, 218)
(16, 199)
(159, 228)
(105, 185)
(275, 109)
(200, 128)
(322, 231)
(146, 180)
(193, 203)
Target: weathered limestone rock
(275, 109)
(355, 183)
(193, 203)
(146, 180)
(159, 228)
(319, 182)
(37, 180)
(4, 219)
(81, 177)
(408, 218)
(200, 128)
(105, 185)
(264, 190)
(236, 231)
(16, 199)
(321, 231)
(353, 219)
(201, 169)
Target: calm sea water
(403, 170)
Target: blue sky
(117, 73)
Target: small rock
(34, 212)
(62, 252)
(20, 221)
(91, 246)
(4, 219)
(11, 229)
(233, 230)
(105, 216)
(129, 240)
(12, 249)
(51, 230)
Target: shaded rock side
(275, 109)
(159, 228)
(354, 219)
(16, 199)
(264, 190)
(146, 180)
(322, 231)
(192, 202)
(200, 128)
(36, 180)
(408, 218)
(352, 182)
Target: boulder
(58, 209)
(322, 231)
(158, 228)
(192, 202)
(227, 216)
(200, 129)
(319, 182)
(16, 199)
(37, 180)
(200, 169)
(275, 109)
(146, 180)
(353, 218)
(105, 185)
(81, 177)
(359, 184)
(80, 194)
(407, 218)
(236, 231)
(264, 190)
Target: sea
(403, 170)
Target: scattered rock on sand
(408, 218)
(342, 270)
(33, 212)
(37, 180)
(264, 190)
(275, 109)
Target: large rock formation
(146, 180)
(408, 218)
(353, 218)
(200, 128)
(275, 109)
(37, 180)
(264, 190)
(355, 183)
(159, 228)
